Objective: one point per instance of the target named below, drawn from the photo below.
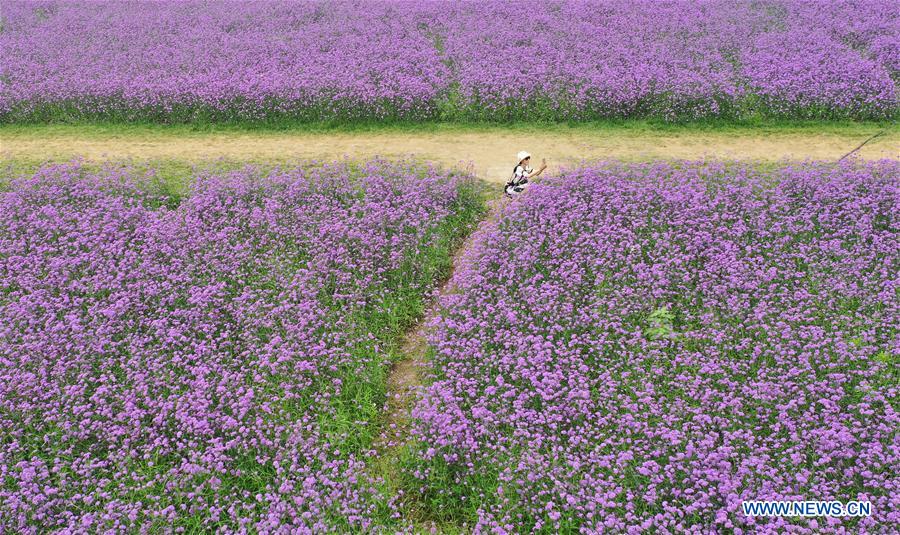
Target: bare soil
(405, 380)
(492, 154)
(406, 383)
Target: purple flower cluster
(868, 27)
(203, 364)
(216, 60)
(563, 60)
(639, 348)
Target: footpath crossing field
(488, 148)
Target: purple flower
(676, 338)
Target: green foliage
(660, 324)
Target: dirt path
(491, 152)
(405, 381)
(405, 378)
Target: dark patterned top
(521, 172)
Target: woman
(521, 173)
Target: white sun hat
(522, 155)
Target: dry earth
(492, 154)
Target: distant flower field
(639, 348)
(216, 361)
(173, 61)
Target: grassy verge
(169, 176)
(636, 127)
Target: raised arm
(541, 170)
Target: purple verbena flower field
(189, 61)
(640, 347)
(198, 334)
(210, 362)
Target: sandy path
(491, 153)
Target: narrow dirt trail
(491, 152)
(406, 378)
